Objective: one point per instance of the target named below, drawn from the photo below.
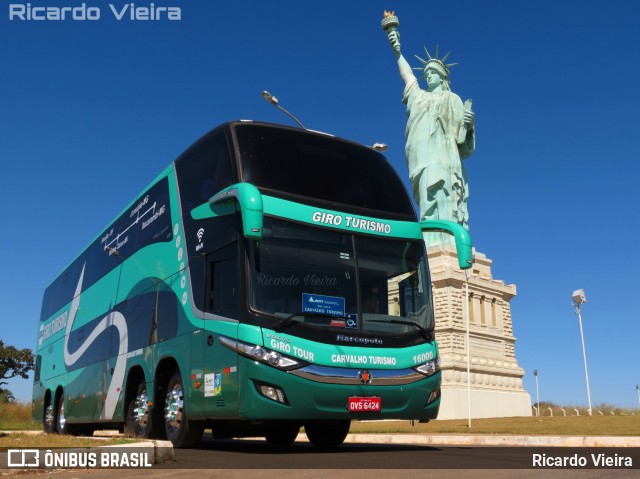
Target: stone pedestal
(496, 378)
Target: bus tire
(61, 425)
(281, 433)
(327, 434)
(49, 418)
(180, 431)
(138, 422)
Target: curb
(162, 450)
(482, 440)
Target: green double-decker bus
(270, 278)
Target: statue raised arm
(405, 70)
(440, 134)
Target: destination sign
(352, 222)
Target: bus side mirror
(460, 234)
(242, 196)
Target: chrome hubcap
(173, 409)
(49, 417)
(141, 411)
(61, 419)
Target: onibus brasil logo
(35, 458)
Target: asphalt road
(258, 455)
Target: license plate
(364, 404)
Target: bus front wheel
(281, 434)
(180, 431)
(327, 434)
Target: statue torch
(390, 25)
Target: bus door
(222, 305)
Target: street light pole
(578, 299)
(274, 101)
(535, 373)
(638, 391)
(466, 310)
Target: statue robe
(434, 157)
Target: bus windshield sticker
(317, 303)
(352, 321)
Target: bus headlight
(262, 354)
(433, 396)
(274, 358)
(271, 392)
(430, 367)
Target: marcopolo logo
(89, 12)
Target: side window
(204, 170)
(222, 282)
(36, 374)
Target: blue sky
(90, 112)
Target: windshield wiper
(281, 323)
(425, 334)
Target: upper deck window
(289, 162)
(203, 170)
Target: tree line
(13, 363)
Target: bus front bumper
(269, 393)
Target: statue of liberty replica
(440, 136)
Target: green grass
(22, 440)
(17, 417)
(543, 426)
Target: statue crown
(436, 63)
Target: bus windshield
(340, 280)
(295, 164)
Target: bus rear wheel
(180, 430)
(49, 419)
(138, 421)
(61, 426)
(281, 434)
(327, 434)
